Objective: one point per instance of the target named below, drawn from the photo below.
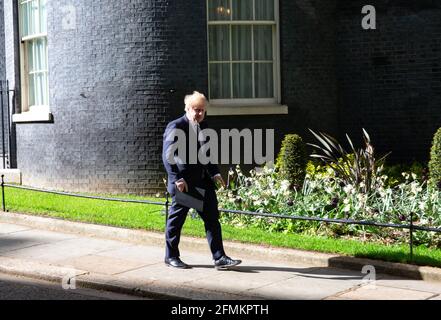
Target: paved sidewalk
(136, 268)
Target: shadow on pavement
(330, 273)
(8, 244)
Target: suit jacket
(194, 174)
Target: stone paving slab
(195, 292)
(235, 249)
(49, 252)
(161, 272)
(35, 269)
(101, 264)
(58, 251)
(139, 269)
(377, 292)
(136, 253)
(7, 228)
(310, 285)
(410, 284)
(27, 238)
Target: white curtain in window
(220, 81)
(264, 9)
(32, 18)
(242, 9)
(241, 55)
(42, 16)
(219, 48)
(241, 43)
(37, 64)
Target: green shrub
(435, 159)
(394, 172)
(292, 159)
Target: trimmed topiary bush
(292, 159)
(435, 159)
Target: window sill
(225, 110)
(33, 116)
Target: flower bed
(325, 195)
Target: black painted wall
(121, 74)
(390, 78)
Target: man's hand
(181, 185)
(219, 180)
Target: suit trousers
(210, 216)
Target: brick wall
(110, 79)
(6, 45)
(2, 69)
(2, 72)
(390, 78)
(2, 41)
(121, 74)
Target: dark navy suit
(195, 175)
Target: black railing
(6, 123)
(166, 204)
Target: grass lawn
(151, 217)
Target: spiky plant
(358, 167)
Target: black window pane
(242, 9)
(220, 81)
(264, 80)
(218, 10)
(242, 80)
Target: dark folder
(194, 198)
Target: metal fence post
(166, 208)
(3, 127)
(3, 193)
(411, 236)
(8, 122)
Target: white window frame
(34, 113)
(250, 105)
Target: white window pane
(24, 19)
(219, 10)
(31, 89)
(40, 88)
(242, 80)
(29, 16)
(37, 66)
(219, 43)
(264, 84)
(242, 9)
(263, 43)
(220, 81)
(37, 89)
(38, 55)
(264, 9)
(33, 19)
(37, 58)
(41, 59)
(43, 16)
(241, 42)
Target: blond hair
(195, 96)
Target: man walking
(183, 176)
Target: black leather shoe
(176, 263)
(226, 262)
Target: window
(33, 56)
(243, 46)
